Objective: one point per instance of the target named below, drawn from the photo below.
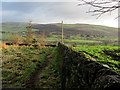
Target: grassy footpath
(21, 63)
(49, 77)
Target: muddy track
(33, 82)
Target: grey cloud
(20, 6)
(48, 12)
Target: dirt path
(34, 81)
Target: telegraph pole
(62, 31)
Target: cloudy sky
(53, 11)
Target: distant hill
(84, 30)
(13, 27)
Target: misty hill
(83, 30)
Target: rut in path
(34, 79)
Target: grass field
(72, 32)
(27, 67)
(21, 63)
(30, 67)
(71, 40)
(106, 55)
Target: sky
(53, 11)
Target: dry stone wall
(78, 71)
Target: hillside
(83, 30)
(13, 27)
(71, 31)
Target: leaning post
(62, 32)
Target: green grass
(50, 76)
(20, 63)
(83, 41)
(98, 52)
(52, 39)
(6, 36)
(72, 40)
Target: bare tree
(100, 7)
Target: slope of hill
(13, 27)
(80, 30)
(83, 30)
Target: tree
(29, 36)
(33, 39)
(100, 7)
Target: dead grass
(3, 45)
